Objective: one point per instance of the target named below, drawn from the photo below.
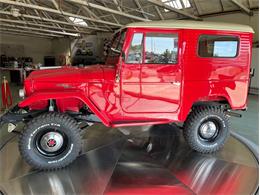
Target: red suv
(190, 72)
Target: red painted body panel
(76, 94)
(147, 93)
(215, 77)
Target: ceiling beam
(196, 6)
(54, 21)
(66, 18)
(117, 5)
(39, 29)
(159, 12)
(40, 25)
(242, 7)
(249, 3)
(55, 4)
(163, 5)
(140, 7)
(106, 9)
(59, 12)
(90, 13)
(93, 15)
(30, 32)
(129, 10)
(222, 6)
(37, 13)
(8, 32)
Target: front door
(159, 85)
(130, 74)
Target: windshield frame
(117, 44)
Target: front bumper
(16, 115)
(11, 116)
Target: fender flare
(65, 94)
(189, 105)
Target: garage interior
(36, 34)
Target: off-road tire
(62, 123)
(199, 116)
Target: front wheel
(50, 141)
(206, 129)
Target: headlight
(21, 93)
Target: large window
(161, 48)
(136, 49)
(218, 46)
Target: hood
(69, 74)
(67, 77)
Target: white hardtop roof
(190, 24)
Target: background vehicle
(156, 73)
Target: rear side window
(161, 48)
(218, 46)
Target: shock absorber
(51, 106)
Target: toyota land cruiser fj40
(186, 72)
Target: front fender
(47, 95)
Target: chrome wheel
(208, 130)
(51, 143)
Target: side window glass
(161, 48)
(218, 46)
(135, 50)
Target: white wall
(97, 41)
(61, 46)
(255, 65)
(37, 48)
(26, 46)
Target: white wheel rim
(208, 130)
(51, 142)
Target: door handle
(175, 83)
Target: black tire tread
(70, 122)
(195, 115)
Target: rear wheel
(50, 141)
(206, 129)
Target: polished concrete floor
(247, 126)
(114, 164)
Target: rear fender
(41, 96)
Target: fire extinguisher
(7, 100)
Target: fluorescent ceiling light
(177, 4)
(186, 3)
(78, 21)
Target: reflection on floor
(156, 161)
